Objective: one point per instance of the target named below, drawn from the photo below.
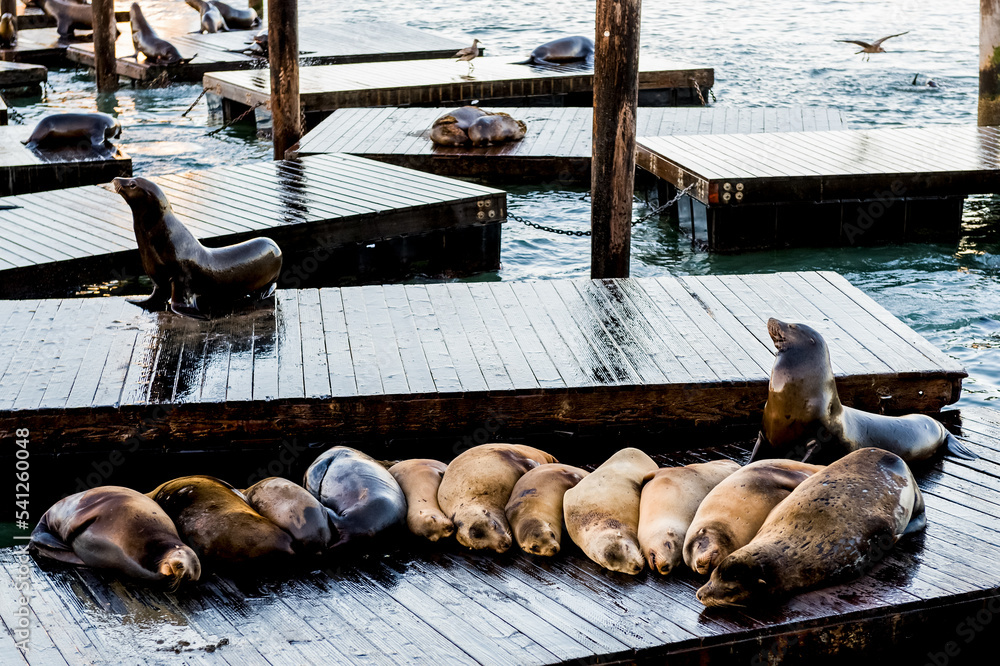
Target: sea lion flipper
(959, 450)
(187, 310)
(758, 453)
(155, 301)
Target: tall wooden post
(8, 7)
(989, 62)
(105, 31)
(616, 94)
(283, 56)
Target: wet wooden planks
(21, 75)
(42, 46)
(31, 18)
(404, 360)
(557, 143)
(436, 603)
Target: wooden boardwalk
(334, 216)
(557, 145)
(435, 603)
(495, 80)
(20, 75)
(31, 18)
(318, 45)
(395, 360)
(23, 170)
(858, 186)
(41, 46)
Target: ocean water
(775, 53)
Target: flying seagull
(468, 53)
(874, 47)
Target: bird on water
(468, 53)
(874, 47)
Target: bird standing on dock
(468, 53)
(874, 47)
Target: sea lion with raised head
(805, 420)
(292, 508)
(535, 508)
(96, 129)
(8, 31)
(209, 15)
(496, 128)
(670, 498)
(563, 50)
(362, 497)
(476, 487)
(237, 19)
(110, 527)
(420, 479)
(158, 51)
(602, 511)
(450, 129)
(833, 527)
(732, 512)
(217, 522)
(194, 278)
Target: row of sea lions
(471, 124)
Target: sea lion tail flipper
(959, 450)
(757, 453)
(155, 301)
(529, 61)
(918, 516)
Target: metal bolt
(739, 196)
(727, 187)
(739, 187)
(493, 214)
(726, 197)
(487, 203)
(480, 215)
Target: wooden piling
(616, 91)
(8, 7)
(105, 31)
(283, 56)
(989, 62)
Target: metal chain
(194, 102)
(236, 119)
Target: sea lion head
(179, 565)
(142, 196)
(708, 547)
(739, 580)
(113, 130)
(793, 336)
(537, 537)
(613, 551)
(448, 134)
(483, 531)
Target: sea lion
(602, 511)
(420, 479)
(145, 40)
(805, 420)
(97, 129)
(8, 31)
(496, 128)
(535, 508)
(833, 527)
(292, 508)
(110, 527)
(69, 16)
(450, 129)
(475, 489)
(193, 277)
(237, 19)
(258, 45)
(215, 520)
(558, 51)
(362, 497)
(670, 498)
(732, 512)
(211, 17)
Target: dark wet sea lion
(805, 420)
(194, 278)
(215, 520)
(495, 128)
(450, 129)
(362, 497)
(558, 51)
(111, 527)
(535, 508)
(8, 31)
(237, 19)
(476, 487)
(420, 479)
(211, 17)
(69, 16)
(292, 508)
(97, 129)
(145, 40)
(833, 527)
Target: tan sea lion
(602, 511)
(535, 508)
(475, 489)
(450, 129)
(669, 501)
(110, 527)
(210, 16)
(805, 420)
(8, 31)
(158, 51)
(734, 510)
(292, 508)
(496, 128)
(96, 129)
(237, 19)
(215, 520)
(833, 527)
(420, 479)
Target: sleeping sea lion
(96, 129)
(833, 527)
(211, 17)
(558, 51)
(450, 129)
(194, 278)
(805, 420)
(8, 31)
(496, 128)
(535, 508)
(145, 40)
(420, 479)
(292, 508)
(237, 19)
(110, 527)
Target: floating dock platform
(556, 147)
(318, 45)
(335, 216)
(495, 80)
(418, 602)
(827, 188)
(21, 75)
(32, 18)
(24, 170)
(40, 47)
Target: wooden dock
(495, 80)
(318, 45)
(828, 188)
(24, 170)
(557, 146)
(32, 18)
(336, 218)
(434, 603)
(436, 359)
(42, 46)
(20, 75)
(3, 111)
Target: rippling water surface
(774, 53)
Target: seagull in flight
(874, 47)
(468, 53)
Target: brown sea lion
(237, 19)
(96, 129)
(8, 31)
(475, 489)
(215, 520)
(292, 508)
(535, 508)
(69, 16)
(420, 479)
(833, 527)
(450, 129)
(192, 277)
(602, 511)
(804, 419)
(669, 501)
(496, 128)
(158, 51)
(734, 510)
(110, 527)
(210, 16)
